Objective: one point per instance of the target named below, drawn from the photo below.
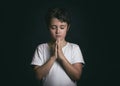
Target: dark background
(23, 28)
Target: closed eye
(53, 27)
(62, 28)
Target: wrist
(62, 58)
(53, 58)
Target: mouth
(58, 36)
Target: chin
(58, 38)
(55, 38)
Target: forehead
(55, 21)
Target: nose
(57, 31)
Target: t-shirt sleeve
(38, 57)
(77, 56)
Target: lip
(58, 35)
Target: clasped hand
(57, 52)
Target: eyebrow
(62, 25)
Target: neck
(63, 42)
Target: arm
(73, 70)
(43, 70)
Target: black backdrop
(23, 28)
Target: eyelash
(62, 28)
(55, 28)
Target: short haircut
(59, 13)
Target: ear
(68, 27)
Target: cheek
(52, 33)
(64, 33)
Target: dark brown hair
(59, 13)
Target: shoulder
(42, 46)
(73, 45)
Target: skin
(58, 31)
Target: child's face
(58, 29)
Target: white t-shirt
(57, 75)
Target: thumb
(56, 50)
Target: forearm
(41, 71)
(72, 71)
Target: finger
(56, 42)
(59, 40)
(56, 50)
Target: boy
(58, 62)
